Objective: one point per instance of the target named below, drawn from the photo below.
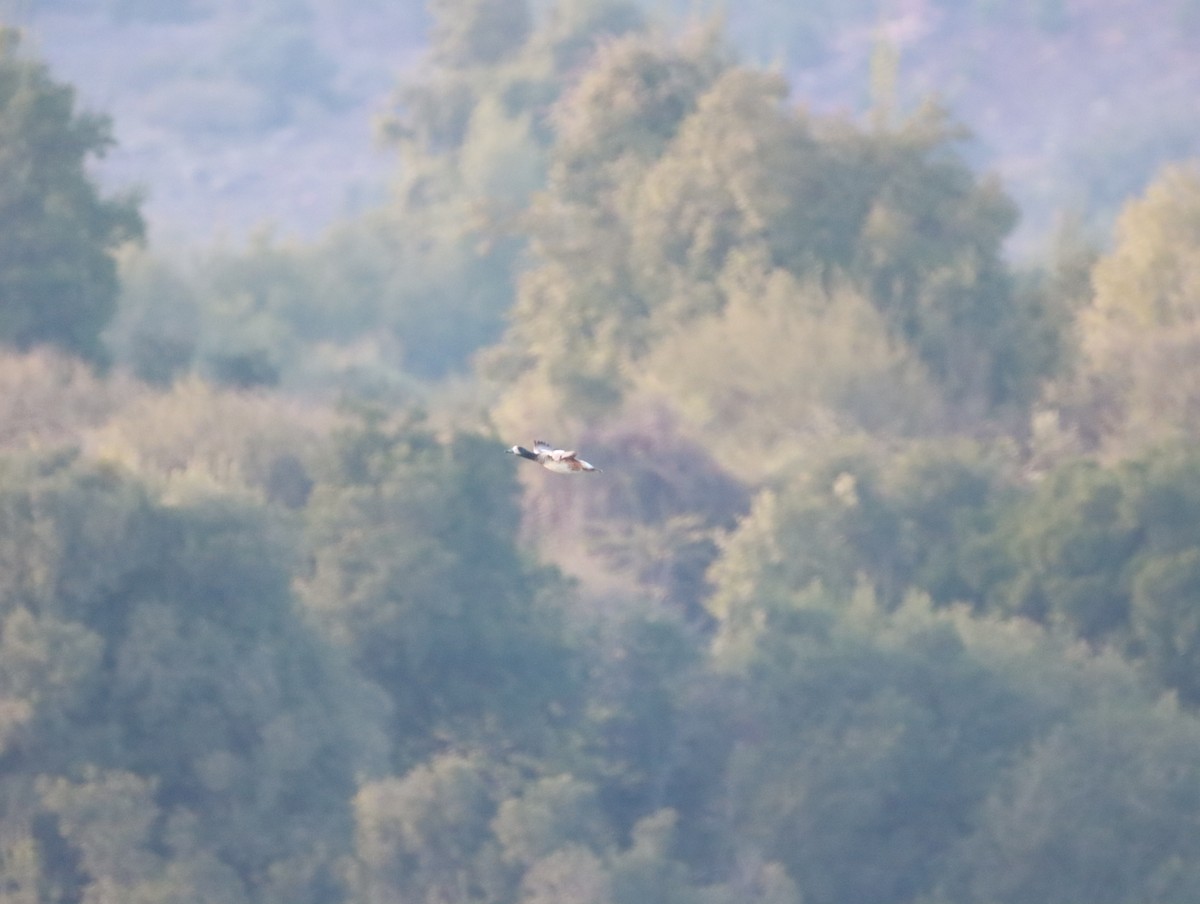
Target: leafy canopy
(58, 281)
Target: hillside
(887, 591)
(230, 119)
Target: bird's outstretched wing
(540, 445)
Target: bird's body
(558, 461)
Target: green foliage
(661, 211)
(625, 110)
(1163, 619)
(797, 361)
(1072, 539)
(1106, 553)
(48, 398)
(713, 191)
(417, 835)
(579, 309)
(657, 728)
(846, 520)
(58, 280)
(109, 819)
(404, 293)
(1093, 812)
(156, 331)
(822, 770)
(368, 310)
(194, 435)
(862, 756)
(185, 735)
(551, 813)
(1136, 384)
(256, 650)
(432, 277)
(417, 574)
(929, 247)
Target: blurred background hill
(232, 116)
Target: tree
(550, 814)
(1067, 545)
(798, 361)
(156, 328)
(172, 730)
(863, 743)
(409, 291)
(571, 874)
(744, 175)
(1137, 384)
(672, 168)
(904, 521)
(580, 318)
(109, 818)
(1101, 809)
(419, 836)
(58, 280)
(1108, 553)
(654, 730)
(1165, 619)
(417, 575)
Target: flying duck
(559, 461)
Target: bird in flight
(560, 461)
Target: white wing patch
(559, 461)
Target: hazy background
(233, 116)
